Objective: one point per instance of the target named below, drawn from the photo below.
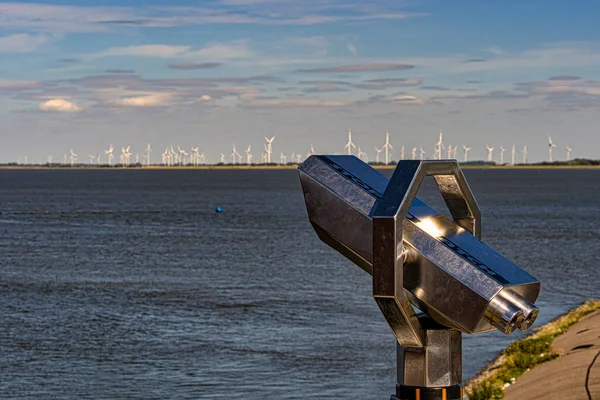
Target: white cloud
(60, 105)
(407, 99)
(22, 42)
(151, 100)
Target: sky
(83, 75)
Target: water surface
(163, 298)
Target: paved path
(573, 376)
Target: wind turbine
(363, 156)
(439, 145)
(525, 154)
(350, 145)
(109, 153)
(512, 155)
(466, 149)
(148, 151)
(422, 154)
(222, 158)
(490, 151)
(269, 148)
(165, 157)
(569, 153)
(502, 150)
(449, 151)
(387, 146)
(413, 153)
(182, 155)
(282, 159)
(128, 155)
(92, 157)
(311, 152)
(550, 147)
(402, 152)
(378, 151)
(195, 156)
(73, 157)
(235, 154)
(249, 155)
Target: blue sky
(83, 75)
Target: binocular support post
(433, 372)
(419, 258)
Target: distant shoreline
(272, 167)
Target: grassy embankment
(523, 355)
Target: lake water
(162, 298)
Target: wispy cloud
(494, 50)
(19, 85)
(352, 49)
(361, 68)
(151, 100)
(385, 83)
(290, 102)
(189, 66)
(67, 18)
(238, 49)
(22, 42)
(119, 71)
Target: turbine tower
(569, 150)
(402, 152)
(550, 147)
(502, 150)
(449, 151)
(413, 153)
(311, 152)
(378, 151)
(525, 154)
(222, 158)
(490, 151)
(148, 151)
(387, 146)
(269, 148)
(350, 145)
(466, 149)
(422, 154)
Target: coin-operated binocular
(419, 259)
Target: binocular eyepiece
(416, 255)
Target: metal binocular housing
(418, 257)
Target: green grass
(525, 354)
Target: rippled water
(180, 302)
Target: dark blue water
(181, 302)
